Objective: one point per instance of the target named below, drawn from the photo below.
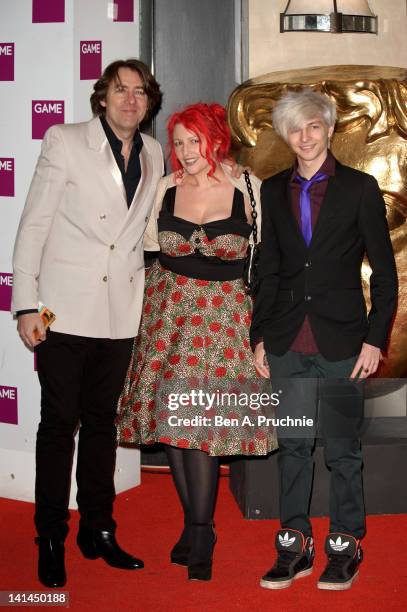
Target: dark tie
(305, 203)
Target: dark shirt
(131, 177)
(305, 341)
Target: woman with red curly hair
(194, 334)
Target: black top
(212, 251)
(131, 177)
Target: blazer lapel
(137, 204)
(324, 210)
(114, 170)
(288, 206)
(332, 201)
(109, 169)
(146, 173)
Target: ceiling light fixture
(339, 16)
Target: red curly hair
(208, 120)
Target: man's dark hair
(111, 73)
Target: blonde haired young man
(310, 326)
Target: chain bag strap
(249, 275)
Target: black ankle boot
(51, 565)
(96, 543)
(180, 553)
(203, 539)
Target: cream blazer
(151, 233)
(79, 249)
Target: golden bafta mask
(370, 135)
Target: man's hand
(368, 361)
(237, 169)
(31, 329)
(260, 361)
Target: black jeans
(319, 389)
(81, 380)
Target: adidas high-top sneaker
(294, 560)
(344, 556)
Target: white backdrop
(48, 45)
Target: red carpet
(149, 523)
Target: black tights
(195, 475)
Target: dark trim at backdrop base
(254, 481)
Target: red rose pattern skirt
(191, 331)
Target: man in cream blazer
(79, 251)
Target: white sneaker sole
(284, 584)
(338, 586)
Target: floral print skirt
(194, 336)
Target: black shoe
(344, 556)
(51, 565)
(180, 553)
(295, 558)
(203, 540)
(96, 543)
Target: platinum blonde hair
(295, 107)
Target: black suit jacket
(324, 279)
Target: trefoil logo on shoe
(339, 546)
(286, 541)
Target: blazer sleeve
(44, 196)
(150, 238)
(268, 270)
(383, 281)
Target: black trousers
(319, 389)
(81, 380)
